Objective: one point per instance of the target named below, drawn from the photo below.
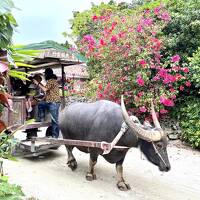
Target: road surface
(48, 177)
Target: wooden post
(63, 84)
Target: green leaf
(6, 6)
(24, 65)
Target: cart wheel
(31, 133)
(49, 131)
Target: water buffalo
(101, 121)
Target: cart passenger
(52, 100)
(35, 94)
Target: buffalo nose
(168, 168)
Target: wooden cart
(52, 58)
(17, 119)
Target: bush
(189, 116)
(127, 52)
(10, 191)
(183, 32)
(7, 191)
(195, 70)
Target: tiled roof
(76, 71)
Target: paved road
(49, 178)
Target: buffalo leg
(71, 161)
(121, 184)
(90, 174)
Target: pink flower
(166, 102)
(169, 79)
(147, 11)
(140, 94)
(136, 99)
(147, 22)
(175, 68)
(163, 111)
(165, 16)
(94, 18)
(156, 78)
(102, 42)
(114, 24)
(126, 68)
(178, 77)
(175, 58)
(100, 86)
(187, 83)
(143, 109)
(162, 73)
(91, 47)
(173, 97)
(156, 10)
(172, 90)
(127, 46)
(123, 19)
(121, 34)
(185, 69)
(142, 62)
(139, 28)
(113, 39)
(156, 44)
(140, 80)
(89, 38)
(100, 96)
(152, 66)
(181, 88)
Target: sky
(40, 20)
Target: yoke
(105, 146)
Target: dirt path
(49, 178)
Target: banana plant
(7, 23)
(19, 58)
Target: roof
(73, 71)
(62, 55)
(76, 71)
(54, 56)
(51, 45)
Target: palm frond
(18, 74)
(20, 64)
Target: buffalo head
(153, 142)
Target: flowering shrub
(128, 52)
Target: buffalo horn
(154, 117)
(148, 135)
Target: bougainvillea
(128, 51)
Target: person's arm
(40, 85)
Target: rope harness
(157, 152)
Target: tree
(7, 23)
(183, 32)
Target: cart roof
(52, 55)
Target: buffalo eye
(159, 145)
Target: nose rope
(157, 152)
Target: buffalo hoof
(72, 164)
(123, 186)
(90, 177)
